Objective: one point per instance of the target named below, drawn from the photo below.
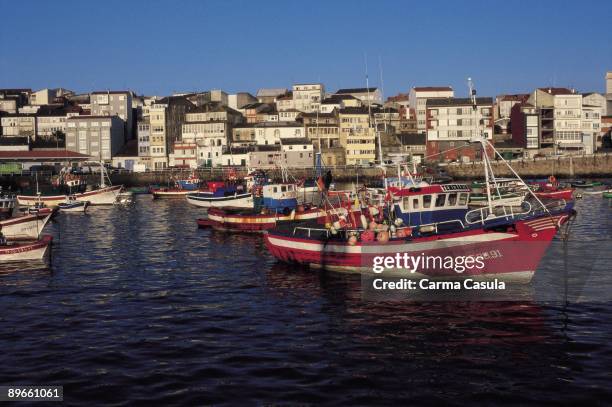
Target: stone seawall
(593, 166)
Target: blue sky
(158, 47)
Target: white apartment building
(568, 120)
(455, 119)
(209, 129)
(418, 101)
(111, 103)
(285, 102)
(19, 125)
(43, 97)
(307, 97)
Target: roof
(520, 97)
(41, 155)
(110, 92)
(271, 92)
(91, 117)
(557, 91)
(286, 96)
(320, 115)
(295, 140)
(354, 110)
(459, 102)
(355, 90)
(337, 99)
(432, 88)
(213, 107)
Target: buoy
(328, 225)
(352, 240)
(364, 222)
(382, 236)
(392, 228)
(373, 225)
(399, 221)
(373, 210)
(333, 230)
(367, 236)
(292, 216)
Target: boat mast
(485, 160)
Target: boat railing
(433, 227)
(308, 231)
(484, 214)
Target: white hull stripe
(391, 248)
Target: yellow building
(356, 135)
(157, 140)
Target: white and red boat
(102, 196)
(510, 240)
(512, 248)
(19, 251)
(27, 226)
(552, 190)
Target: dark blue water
(141, 306)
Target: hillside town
(288, 127)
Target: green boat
(584, 184)
(607, 194)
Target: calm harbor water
(140, 305)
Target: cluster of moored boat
(509, 221)
(24, 216)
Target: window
(452, 199)
(426, 201)
(284, 188)
(415, 203)
(463, 198)
(440, 199)
(405, 203)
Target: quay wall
(591, 166)
(588, 166)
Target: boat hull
(102, 196)
(170, 193)
(26, 251)
(236, 200)
(517, 250)
(561, 194)
(72, 208)
(230, 221)
(25, 227)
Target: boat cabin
(279, 196)
(431, 204)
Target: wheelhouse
(434, 203)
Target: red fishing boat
(277, 205)
(511, 246)
(552, 190)
(509, 241)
